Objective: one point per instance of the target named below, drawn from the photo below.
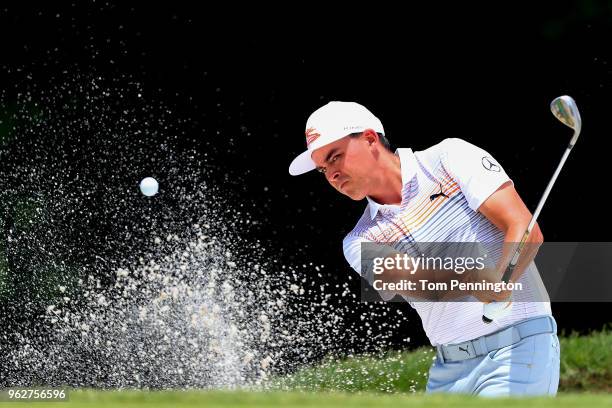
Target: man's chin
(353, 195)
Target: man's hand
(488, 275)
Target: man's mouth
(343, 184)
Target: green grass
(586, 362)
(391, 372)
(390, 380)
(127, 399)
(586, 365)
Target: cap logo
(311, 136)
(353, 127)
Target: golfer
(450, 192)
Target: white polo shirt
(468, 175)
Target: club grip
(495, 310)
(508, 272)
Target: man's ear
(370, 136)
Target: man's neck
(388, 189)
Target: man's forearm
(530, 249)
(396, 276)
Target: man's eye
(335, 158)
(321, 170)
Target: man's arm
(488, 189)
(352, 247)
(507, 211)
(439, 276)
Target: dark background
(243, 81)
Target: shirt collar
(408, 165)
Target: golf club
(564, 108)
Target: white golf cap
(329, 123)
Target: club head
(564, 108)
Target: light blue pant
(528, 367)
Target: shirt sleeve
(352, 252)
(475, 170)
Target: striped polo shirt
(467, 175)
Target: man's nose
(333, 176)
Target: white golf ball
(149, 186)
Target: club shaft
(534, 217)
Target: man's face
(348, 164)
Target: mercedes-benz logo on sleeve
(490, 164)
